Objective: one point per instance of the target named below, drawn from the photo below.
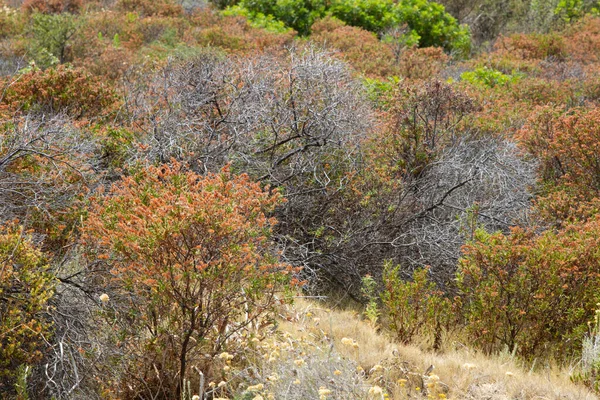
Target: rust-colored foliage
(163, 8)
(190, 256)
(422, 63)
(360, 48)
(568, 145)
(52, 6)
(527, 47)
(531, 293)
(233, 34)
(62, 90)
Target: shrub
(45, 165)
(236, 34)
(531, 294)
(51, 36)
(414, 308)
(26, 286)
(372, 15)
(52, 6)
(422, 63)
(358, 47)
(488, 77)
(296, 14)
(568, 146)
(426, 20)
(434, 26)
(190, 259)
(532, 47)
(64, 89)
(148, 8)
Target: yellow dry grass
(468, 374)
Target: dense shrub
(358, 47)
(45, 166)
(371, 15)
(488, 77)
(63, 89)
(53, 6)
(147, 8)
(234, 34)
(51, 37)
(417, 308)
(26, 286)
(568, 146)
(189, 262)
(426, 20)
(532, 294)
(422, 63)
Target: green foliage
(296, 14)
(428, 22)
(414, 308)
(371, 15)
(568, 10)
(369, 289)
(434, 25)
(381, 92)
(26, 286)
(488, 77)
(258, 19)
(51, 34)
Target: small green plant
(569, 10)
(414, 308)
(23, 373)
(489, 77)
(369, 289)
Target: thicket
(428, 24)
(171, 173)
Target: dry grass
(400, 370)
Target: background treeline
(171, 173)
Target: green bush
(488, 77)
(372, 15)
(51, 34)
(415, 308)
(296, 14)
(26, 286)
(434, 25)
(427, 21)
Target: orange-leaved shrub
(360, 48)
(532, 294)
(147, 8)
(190, 267)
(26, 286)
(233, 34)
(65, 90)
(53, 6)
(422, 63)
(567, 145)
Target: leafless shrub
(44, 163)
(485, 180)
